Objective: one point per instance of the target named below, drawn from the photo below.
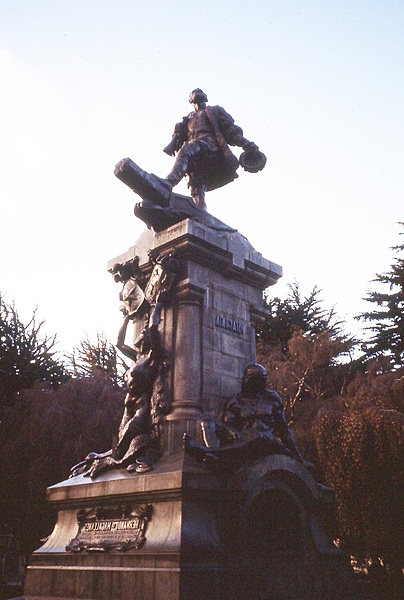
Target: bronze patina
(251, 425)
(200, 143)
(147, 397)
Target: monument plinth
(208, 331)
(208, 335)
(204, 495)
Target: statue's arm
(178, 138)
(120, 343)
(232, 133)
(229, 420)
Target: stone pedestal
(256, 534)
(208, 332)
(181, 532)
(181, 545)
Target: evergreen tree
(387, 318)
(301, 345)
(296, 313)
(25, 355)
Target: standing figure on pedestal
(201, 140)
(137, 447)
(251, 425)
(139, 444)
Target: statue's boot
(198, 195)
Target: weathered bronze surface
(111, 528)
(251, 425)
(147, 400)
(201, 144)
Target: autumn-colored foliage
(308, 371)
(43, 435)
(360, 445)
(363, 453)
(348, 418)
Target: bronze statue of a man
(251, 425)
(201, 144)
(201, 140)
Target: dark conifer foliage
(386, 320)
(297, 313)
(26, 356)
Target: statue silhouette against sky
(202, 141)
(201, 145)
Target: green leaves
(386, 320)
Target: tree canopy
(297, 312)
(301, 344)
(100, 356)
(386, 320)
(26, 356)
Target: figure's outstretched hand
(93, 464)
(99, 466)
(250, 147)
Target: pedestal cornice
(226, 252)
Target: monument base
(180, 531)
(184, 533)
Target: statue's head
(254, 379)
(120, 272)
(197, 96)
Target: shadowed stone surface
(256, 534)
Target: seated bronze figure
(251, 425)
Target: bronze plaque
(111, 528)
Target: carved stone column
(186, 411)
(188, 354)
(208, 329)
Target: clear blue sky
(318, 85)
